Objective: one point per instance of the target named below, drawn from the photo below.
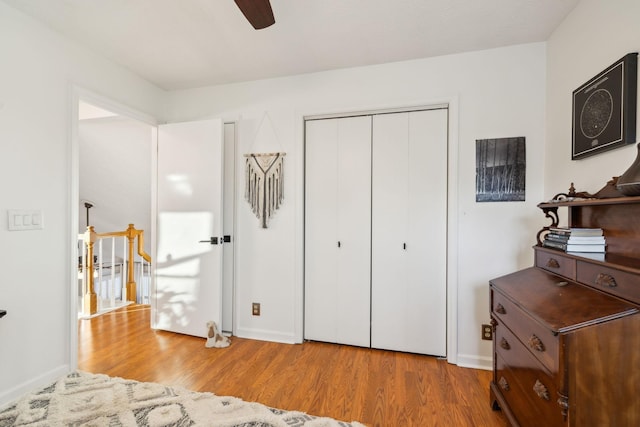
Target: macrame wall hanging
(264, 174)
(264, 184)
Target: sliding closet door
(337, 230)
(409, 222)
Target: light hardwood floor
(375, 387)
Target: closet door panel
(321, 223)
(389, 266)
(354, 230)
(337, 230)
(409, 232)
(427, 224)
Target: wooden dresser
(567, 330)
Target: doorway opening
(114, 159)
(91, 114)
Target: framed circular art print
(604, 109)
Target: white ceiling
(180, 44)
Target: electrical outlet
(487, 332)
(255, 309)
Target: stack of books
(583, 240)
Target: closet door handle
(339, 244)
(404, 246)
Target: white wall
(595, 35)
(36, 76)
(499, 93)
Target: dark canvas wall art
(500, 169)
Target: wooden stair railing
(90, 237)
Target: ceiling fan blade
(257, 12)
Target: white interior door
(409, 223)
(228, 215)
(188, 291)
(337, 230)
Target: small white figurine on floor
(215, 338)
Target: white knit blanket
(82, 399)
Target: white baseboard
(475, 361)
(33, 384)
(266, 335)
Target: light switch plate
(20, 220)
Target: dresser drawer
(539, 341)
(527, 407)
(512, 393)
(610, 280)
(557, 263)
(527, 372)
